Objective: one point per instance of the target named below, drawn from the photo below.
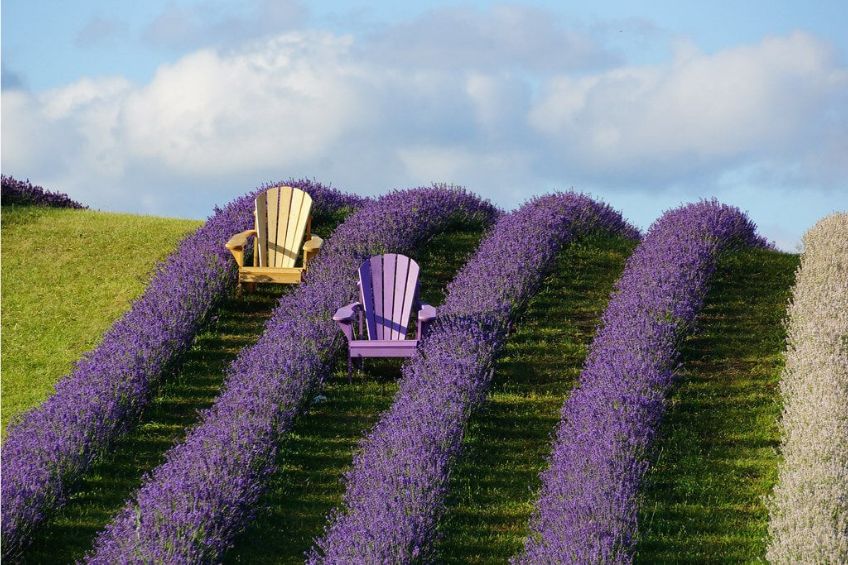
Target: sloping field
(714, 460)
(717, 457)
(299, 497)
(67, 276)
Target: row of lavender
(50, 447)
(14, 191)
(396, 489)
(809, 510)
(587, 509)
(190, 508)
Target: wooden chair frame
(283, 227)
(388, 293)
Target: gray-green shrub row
(809, 508)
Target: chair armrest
(427, 313)
(238, 241)
(346, 313)
(236, 245)
(314, 244)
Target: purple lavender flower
(15, 191)
(587, 510)
(190, 508)
(52, 445)
(396, 489)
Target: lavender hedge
(587, 509)
(190, 508)
(13, 191)
(396, 489)
(49, 447)
(809, 509)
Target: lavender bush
(587, 509)
(189, 509)
(809, 509)
(52, 445)
(396, 489)
(13, 191)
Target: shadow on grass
(703, 500)
(495, 482)
(314, 457)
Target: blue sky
(171, 107)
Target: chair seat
(360, 348)
(271, 274)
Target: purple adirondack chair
(388, 291)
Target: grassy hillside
(67, 276)
(716, 458)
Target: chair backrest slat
(282, 214)
(301, 204)
(388, 285)
(366, 298)
(272, 206)
(384, 316)
(410, 294)
(399, 292)
(261, 214)
(277, 244)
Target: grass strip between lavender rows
(49, 447)
(320, 447)
(191, 387)
(704, 497)
(103, 490)
(809, 510)
(396, 489)
(493, 486)
(189, 509)
(587, 510)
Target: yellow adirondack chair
(283, 221)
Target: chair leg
(349, 370)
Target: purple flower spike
(51, 446)
(396, 489)
(13, 191)
(189, 508)
(587, 511)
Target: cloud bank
(508, 101)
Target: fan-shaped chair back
(282, 218)
(388, 291)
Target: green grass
(494, 486)
(716, 460)
(67, 276)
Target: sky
(171, 107)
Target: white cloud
(221, 23)
(503, 37)
(99, 31)
(216, 122)
(700, 111)
(275, 104)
